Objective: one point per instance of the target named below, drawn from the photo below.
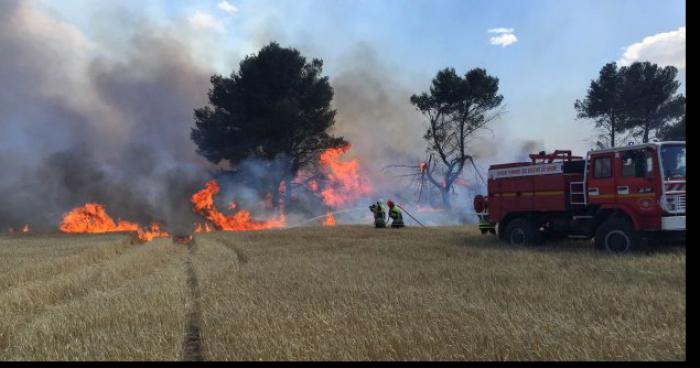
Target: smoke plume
(107, 119)
(77, 126)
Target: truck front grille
(675, 203)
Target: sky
(545, 53)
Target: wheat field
(341, 293)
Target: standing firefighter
(395, 214)
(379, 214)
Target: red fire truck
(621, 197)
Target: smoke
(78, 126)
(107, 119)
(386, 131)
(375, 115)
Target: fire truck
(623, 197)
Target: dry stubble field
(343, 293)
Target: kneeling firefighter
(379, 214)
(395, 214)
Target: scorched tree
(456, 108)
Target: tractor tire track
(192, 345)
(68, 295)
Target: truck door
(635, 185)
(600, 185)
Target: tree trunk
(612, 130)
(645, 139)
(612, 137)
(446, 198)
(445, 192)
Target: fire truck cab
(622, 197)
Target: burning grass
(343, 184)
(92, 218)
(329, 220)
(203, 205)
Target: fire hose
(348, 210)
(322, 216)
(409, 214)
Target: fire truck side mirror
(649, 158)
(650, 167)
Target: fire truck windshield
(673, 161)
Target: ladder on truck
(577, 193)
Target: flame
(464, 183)
(199, 228)
(93, 218)
(313, 185)
(329, 220)
(422, 166)
(203, 202)
(151, 232)
(25, 229)
(344, 183)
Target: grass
(343, 293)
(92, 298)
(356, 293)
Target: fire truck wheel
(617, 236)
(556, 236)
(523, 232)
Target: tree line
(277, 108)
(639, 99)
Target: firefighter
(484, 225)
(379, 214)
(395, 214)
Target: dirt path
(192, 345)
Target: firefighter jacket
(379, 214)
(396, 216)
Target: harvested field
(342, 293)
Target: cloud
(504, 39)
(501, 30)
(227, 7)
(667, 48)
(201, 20)
(505, 36)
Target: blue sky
(560, 45)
